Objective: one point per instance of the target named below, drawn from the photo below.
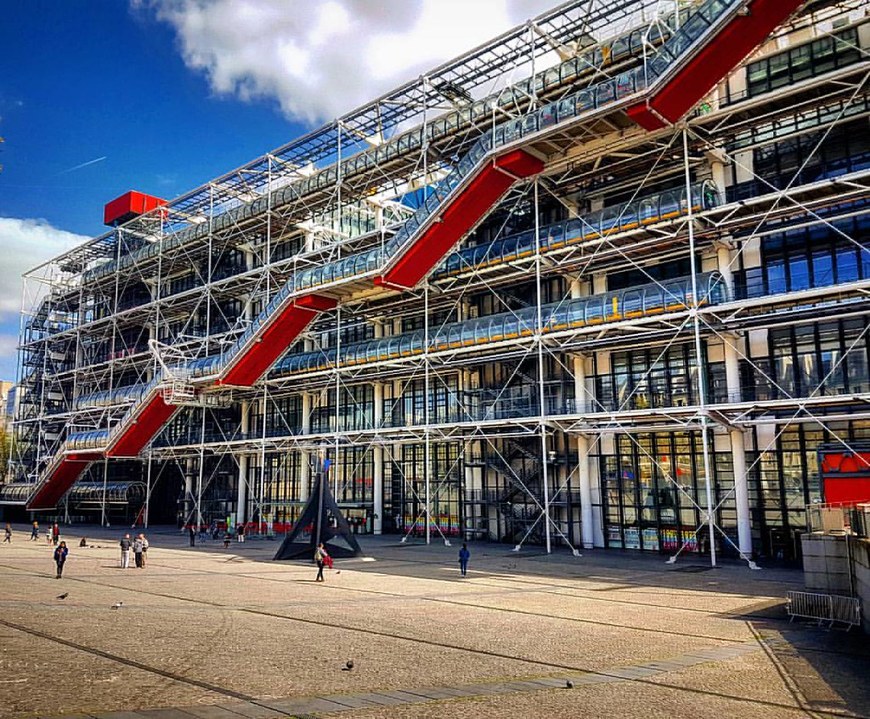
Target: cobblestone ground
(226, 633)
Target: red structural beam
(459, 217)
(62, 478)
(717, 58)
(275, 339)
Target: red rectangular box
(129, 205)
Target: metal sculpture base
(321, 521)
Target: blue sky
(98, 97)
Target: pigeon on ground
(348, 665)
(63, 596)
(569, 684)
(117, 605)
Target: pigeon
(569, 684)
(348, 665)
(63, 596)
(117, 605)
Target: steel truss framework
(187, 278)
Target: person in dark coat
(8, 537)
(34, 532)
(192, 535)
(464, 556)
(126, 545)
(60, 557)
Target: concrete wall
(861, 567)
(827, 568)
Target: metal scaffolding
(440, 421)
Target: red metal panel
(147, 422)
(460, 216)
(62, 478)
(847, 490)
(845, 476)
(717, 58)
(275, 339)
(129, 205)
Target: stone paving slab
(404, 696)
(383, 699)
(118, 715)
(435, 694)
(164, 713)
(350, 700)
(291, 706)
(250, 711)
(209, 711)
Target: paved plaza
(227, 633)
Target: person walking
(34, 532)
(60, 557)
(8, 537)
(320, 556)
(240, 533)
(126, 545)
(191, 534)
(464, 556)
(55, 534)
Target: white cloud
(322, 59)
(27, 243)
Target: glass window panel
(799, 272)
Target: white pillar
(378, 459)
(738, 450)
(723, 261)
(586, 529)
(732, 367)
(599, 283)
(741, 493)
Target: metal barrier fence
(823, 608)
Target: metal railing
(824, 608)
(837, 518)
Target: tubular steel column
(738, 448)
(199, 476)
(539, 337)
(583, 474)
(702, 392)
(738, 452)
(428, 446)
(305, 466)
(337, 415)
(242, 490)
(587, 534)
(378, 460)
(147, 493)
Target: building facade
(640, 340)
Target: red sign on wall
(845, 476)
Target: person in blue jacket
(464, 556)
(60, 557)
